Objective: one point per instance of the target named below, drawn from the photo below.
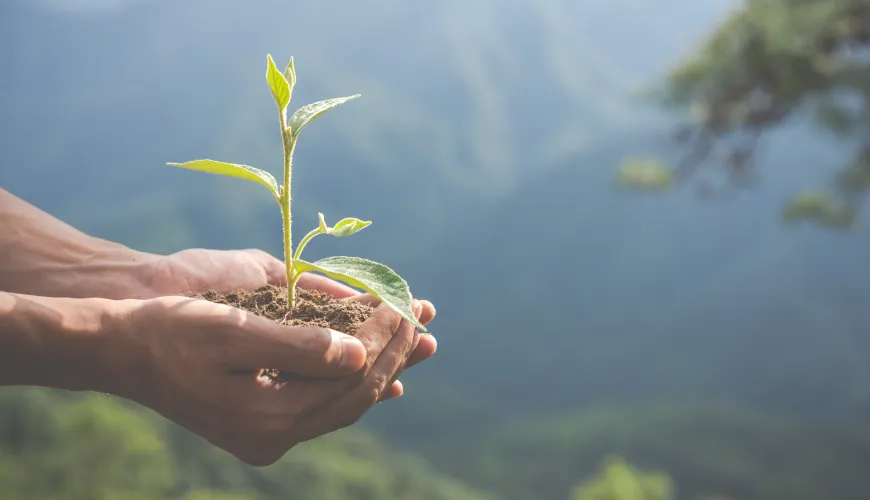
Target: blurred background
(640, 223)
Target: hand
(190, 360)
(43, 256)
(197, 270)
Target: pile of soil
(313, 308)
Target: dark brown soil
(313, 308)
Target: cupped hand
(191, 361)
(198, 270)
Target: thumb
(301, 350)
(274, 269)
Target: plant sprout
(375, 278)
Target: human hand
(197, 270)
(192, 362)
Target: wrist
(111, 271)
(61, 343)
(49, 265)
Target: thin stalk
(305, 240)
(289, 146)
(292, 279)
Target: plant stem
(289, 146)
(305, 240)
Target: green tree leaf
(278, 84)
(377, 279)
(305, 114)
(233, 170)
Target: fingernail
(353, 354)
(417, 307)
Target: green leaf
(344, 227)
(233, 170)
(377, 279)
(290, 75)
(305, 114)
(278, 84)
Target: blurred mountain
(460, 105)
(483, 149)
(85, 446)
(585, 296)
(716, 451)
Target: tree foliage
(769, 62)
(620, 480)
(57, 446)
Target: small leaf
(278, 84)
(305, 114)
(233, 170)
(377, 279)
(290, 75)
(322, 221)
(346, 227)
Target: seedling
(375, 278)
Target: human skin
(82, 313)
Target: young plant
(375, 278)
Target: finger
(366, 299)
(311, 281)
(417, 306)
(384, 371)
(374, 335)
(307, 351)
(375, 332)
(428, 312)
(347, 409)
(426, 316)
(394, 391)
(426, 347)
(274, 269)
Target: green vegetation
(644, 173)
(375, 278)
(768, 319)
(619, 480)
(707, 451)
(58, 446)
(769, 63)
(818, 207)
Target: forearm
(59, 343)
(41, 255)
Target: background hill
(575, 320)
